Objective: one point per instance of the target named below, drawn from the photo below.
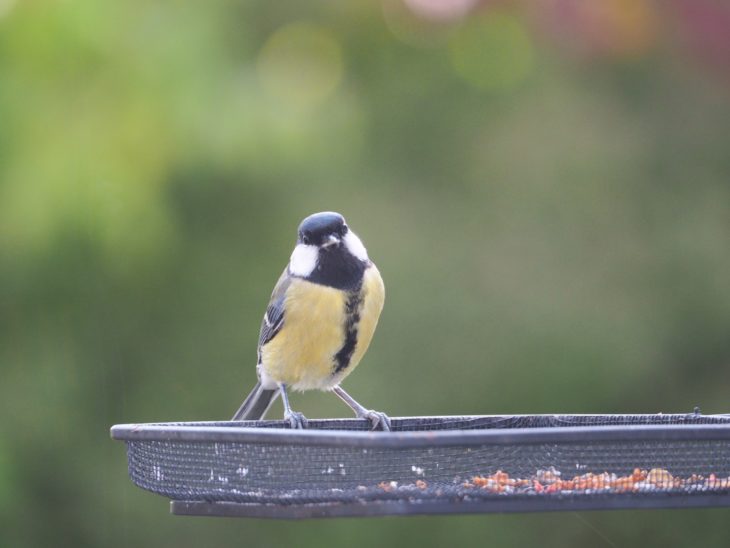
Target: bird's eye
(304, 238)
(343, 230)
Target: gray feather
(255, 406)
(274, 317)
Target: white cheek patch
(354, 246)
(303, 260)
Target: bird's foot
(377, 419)
(296, 420)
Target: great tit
(319, 322)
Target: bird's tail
(256, 404)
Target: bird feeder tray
(433, 465)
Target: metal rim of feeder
(174, 459)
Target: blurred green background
(545, 187)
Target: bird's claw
(296, 420)
(378, 420)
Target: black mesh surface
(558, 460)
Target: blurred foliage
(544, 186)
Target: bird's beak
(331, 240)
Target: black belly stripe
(352, 311)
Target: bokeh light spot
(6, 6)
(301, 64)
(492, 52)
(611, 29)
(441, 10)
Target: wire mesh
(552, 461)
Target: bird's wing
(274, 316)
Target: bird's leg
(296, 420)
(376, 418)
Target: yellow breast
(302, 354)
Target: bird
(319, 321)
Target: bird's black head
(322, 229)
(328, 252)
